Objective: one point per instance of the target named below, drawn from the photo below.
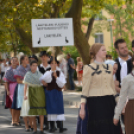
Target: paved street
(71, 113)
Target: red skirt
(8, 102)
(81, 72)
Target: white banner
(52, 32)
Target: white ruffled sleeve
(61, 80)
(122, 98)
(47, 77)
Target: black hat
(43, 53)
(52, 59)
(34, 56)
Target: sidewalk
(5, 118)
(72, 98)
(2, 92)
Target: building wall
(106, 34)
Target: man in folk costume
(123, 61)
(43, 68)
(55, 80)
(10, 85)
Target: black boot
(46, 123)
(60, 126)
(52, 127)
(38, 120)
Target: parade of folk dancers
(69, 73)
(34, 92)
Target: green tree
(124, 21)
(20, 12)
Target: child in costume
(34, 97)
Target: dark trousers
(82, 124)
(71, 81)
(46, 123)
(59, 124)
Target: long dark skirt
(82, 124)
(100, 115)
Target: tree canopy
(16, 15)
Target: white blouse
(47, 77)
(126, 93)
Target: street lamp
(111, 30)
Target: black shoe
(27, 130)
(61, 130)
(41, 132)
(35, 132)
(19, 123)
(52, 130)
(31, 129)
(46, 128)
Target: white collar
(97, 62)
(48, 66)
(121, 60)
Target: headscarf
(21, 71)
(9, 75)
(32, 78)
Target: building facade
(103, 36)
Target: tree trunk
(14, 49)
(25, 37)
(80, 40)
(89, 29)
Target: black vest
(53, 84)
(42, 70)
(129, 69)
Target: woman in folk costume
(98, 94)
(55, 80)
(126, 98)
(19, 76)
(10, 84)
(34, 97)
(43, 68)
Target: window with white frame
(99, 38)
